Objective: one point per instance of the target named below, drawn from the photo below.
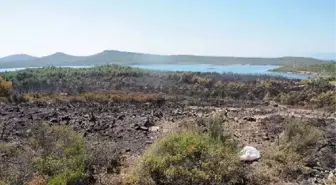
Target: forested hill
(120, 57)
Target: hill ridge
(126, 58)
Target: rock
(66, 118)
(237, 135)
(154, 128)
(250, 119)
(265, 137)
(121, 117)
(149, 142)
(200, 114)
(331, 180)
(249, 153)
(54, 121)
(158, 114)
(93, 118)
(143, 128)
(177, 112)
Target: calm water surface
(239, 69)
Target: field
(120, 125)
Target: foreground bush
(60, 154)
(189, 158)
(53, 155)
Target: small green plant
(68, 177)
(189, 158)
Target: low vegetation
(292, 155)
(87, 142)
(82, 84)
(67, 80)
(323, 69)
(5, 88)
(211, 156)
(114, 96)
(53, 155)
(317, 93)
(191, 157)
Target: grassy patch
(52, 155)
(292, 156)
(194, 156)
(189, 158)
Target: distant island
(132, 58)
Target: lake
(239, 69)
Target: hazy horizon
(322, 56)
(258, 28)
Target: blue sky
(266, 28)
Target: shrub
(290, 158)
(60, 153)
(10, 156)
(300, 137)
(189, 158)
(5, 88)
(69, 177)
(103, 158)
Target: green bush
(68, 178)
(189, 158)
(60, 153)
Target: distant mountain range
(128, 58)
(17, 57)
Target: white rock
(154, 128)
(249, 153)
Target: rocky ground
(133, 127)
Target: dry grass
(5, 88)
(37, 180)
(112, 96)
(289, 159)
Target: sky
(245, 28)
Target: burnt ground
(134, 126)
